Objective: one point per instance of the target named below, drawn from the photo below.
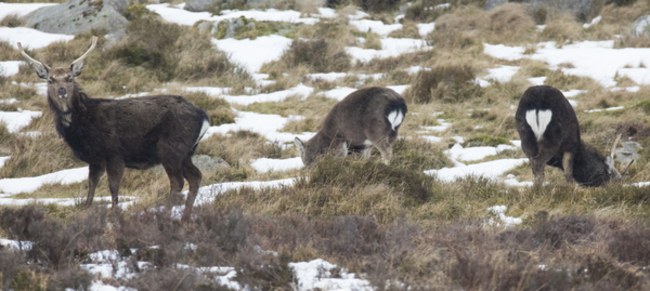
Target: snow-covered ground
(20, 9)
(596, 59)
(18, 119)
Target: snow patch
(264, 165)
(31, 38)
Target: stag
(364, 119)
(138, 133)
(550, 134)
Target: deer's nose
(62, 91)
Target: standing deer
(136, 133)
(550, 134)
(365, 118)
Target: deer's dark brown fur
(137, 133)
(550, 134)
(365, 118)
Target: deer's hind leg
(384, 144)
(115, 170)
(544, 154)
(567, 164)
(193, 176)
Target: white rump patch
(395, 118)
(538, 121)
(204, 129)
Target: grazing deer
(550, 134)
(365, 118)
(136, 133)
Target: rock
(228, 27)
(201, 5)
(584, 10)
(77, 16)
(207, 5)
(628, 153)
(641, 27)
(205, 163)
(491, 4)
(208, 164)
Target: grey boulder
(491, 4)
(77, 16)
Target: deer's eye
(49, 81)
(70, 80)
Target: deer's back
(133, 128)
(562, 132)
(363, 110)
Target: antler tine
(81, 58)
(22, 52)
(626, 168)
(618, 138)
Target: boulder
(208, 164)
(491, 4)
(584, 10)
(77, 16)
(205, 163)
(207, 5)
(201, 5)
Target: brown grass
(445, 83)
(563, 29)
(510, 23)
(33, 156)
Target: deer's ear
(42, 71)
(299, 145)
(78, 64)
(76, 68)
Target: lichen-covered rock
(228, 27)
(201, 5)
(205, 163)
(77, 16)
(208, 164)
(207, 5)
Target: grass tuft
(319, 55)
(451, 84)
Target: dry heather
(557, 251)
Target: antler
(627, 168)
(81, 58)
(22, 51)
(618, 138)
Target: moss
(137, 11)
(644, 105)
(486, 141)
(221, 116)
(252, 29)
